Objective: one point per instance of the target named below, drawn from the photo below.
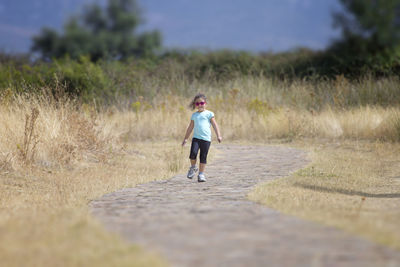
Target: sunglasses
(200, 103)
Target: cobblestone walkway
(213, 224)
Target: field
(351, 185)
(58, 154)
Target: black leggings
(203, 146)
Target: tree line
(370, 42)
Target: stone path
(213, 224)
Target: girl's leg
(204, 147)
(193, 155)
(202, 167)
(194, 149)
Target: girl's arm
(216, 129)
(188, 131)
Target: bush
(186, 72)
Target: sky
(252, 25)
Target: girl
(200, 121)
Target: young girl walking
(200, 121)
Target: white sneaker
(201, 178)
(192, 171)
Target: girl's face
(200, 104)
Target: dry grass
(44, 215)
(51, 167)
(255, 120)
(57, 156)
(351, 185)
(47, 134)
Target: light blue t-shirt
(202, 125)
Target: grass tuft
(28, 149)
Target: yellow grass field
(57, 156)
(51, 169)
(352, 185)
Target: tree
(375, 21)
(370, 39)
(101, 33)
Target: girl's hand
(184, 142)
(219, 139)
